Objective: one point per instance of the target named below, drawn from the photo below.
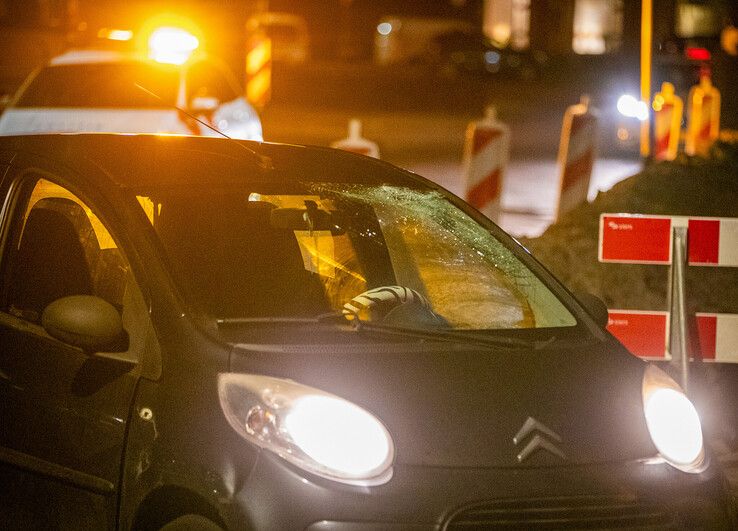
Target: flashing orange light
(172, 45)
(115, 34)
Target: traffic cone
(577, 152)
(704, 117)
(486, 152)
(668, 109)
(355, 143)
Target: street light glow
(632, 108)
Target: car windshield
(103, 85)
(367, 251)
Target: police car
(120, 91)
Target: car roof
(75, 57)
(136, 160)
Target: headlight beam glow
(672, 421)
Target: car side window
(205, 79)
(60, 248)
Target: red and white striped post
(486, 152)
(704, 117)
(355, 143)
(667, 122)
(577, 152)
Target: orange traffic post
(646, 38)
(259, 69)
(486, 151)
(577, 153)
(704, 117)
(355, 143)
(668, 110)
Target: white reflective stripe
(728, 250)
(726, 338)
(487, 160)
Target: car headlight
(314, 430)
(672, 421)
(632, 108)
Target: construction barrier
(577, 152)
(638, 239)
(259, 69)
(355, 143)
(486, 152)
(668, 109)
(646, 334)
(630, 238)
(704, 117)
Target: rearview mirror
(300, 219)
(86, 322)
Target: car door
(63, 413)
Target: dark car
(462, 52)
(205, 333)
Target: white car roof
(94, 56)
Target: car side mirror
(86, 322)
(595, 307)
(203, 104)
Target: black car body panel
(115, 442)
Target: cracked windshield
(376, 253)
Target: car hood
(447, 405)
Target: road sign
(633, 238)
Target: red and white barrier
(717, 336)
(355, 143)
(486, 152)
(633, 238)
(577, 152)
(646, 335)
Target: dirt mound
(686, 187)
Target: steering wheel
(397, 304)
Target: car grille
(580, 512)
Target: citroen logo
(542, 439)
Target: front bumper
(635, 494)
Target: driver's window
(60, 248)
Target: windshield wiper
(433, 334)
(451, 336)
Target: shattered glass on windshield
(376, 253)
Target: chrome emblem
(542, 439)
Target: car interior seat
(50, 263)
(260, 267)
